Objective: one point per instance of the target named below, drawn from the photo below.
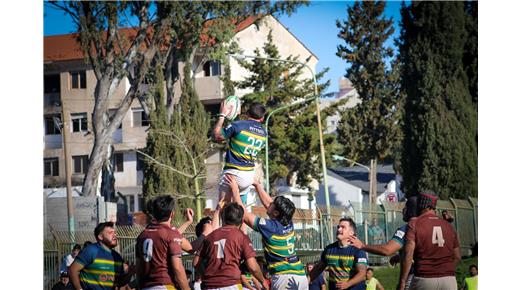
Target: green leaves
(370, 129)
(440, 120)
(293, 134)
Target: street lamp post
(370, 177)
(322, 147)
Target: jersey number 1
(437, 236)
(220, 251)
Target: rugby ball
(232, 103)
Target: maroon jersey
(221, 254)
(154, 248)
(435, 241)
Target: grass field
(389, 276)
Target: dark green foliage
(178, 144)
(293, 134)
(440, 121)
(370, 130)
(471, 49)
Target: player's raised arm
(189, 220)
(388, 249)
(249, 218)
(217, 130)
(262, 194)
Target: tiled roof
(66, 46)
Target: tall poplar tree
(370, 130)
(440, 122)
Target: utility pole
(373, 181)
(65, 130)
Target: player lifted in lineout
(246, 138)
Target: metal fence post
(474, 209)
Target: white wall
(340, 192)
(129, 175)
(251, 38)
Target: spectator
(318, 283)
(197, 282)
(69, 258)
(64, 283)
(86, 244)
(447, 217)
(373, 283)
(471, 282)
(376, 233)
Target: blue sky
(314, 25)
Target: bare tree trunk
(96, 160)
(103, 132)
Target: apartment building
(69, 85)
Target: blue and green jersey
(278, 242)
(246, 139)
(102, 267)
(341, 263)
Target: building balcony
(209, 89)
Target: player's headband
(426, 200)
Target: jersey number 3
(437, 237)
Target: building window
(118, 162)
(51, 84)
(52, 124)
(211, 68)
(131, 203)
(139, 118)
(140, 162)
(80, 164)
(51, 167)
(79, 122)
(78, 80)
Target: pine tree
(370, 130)
(293, 135)
(440, 125)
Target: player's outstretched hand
(189, 215)
(342, 285)
(223, 109)
(230, 179)
(355, 242)
(395, 260)
(265, 286)
(256, 183)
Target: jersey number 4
(437, 237)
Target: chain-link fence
(375, 225)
